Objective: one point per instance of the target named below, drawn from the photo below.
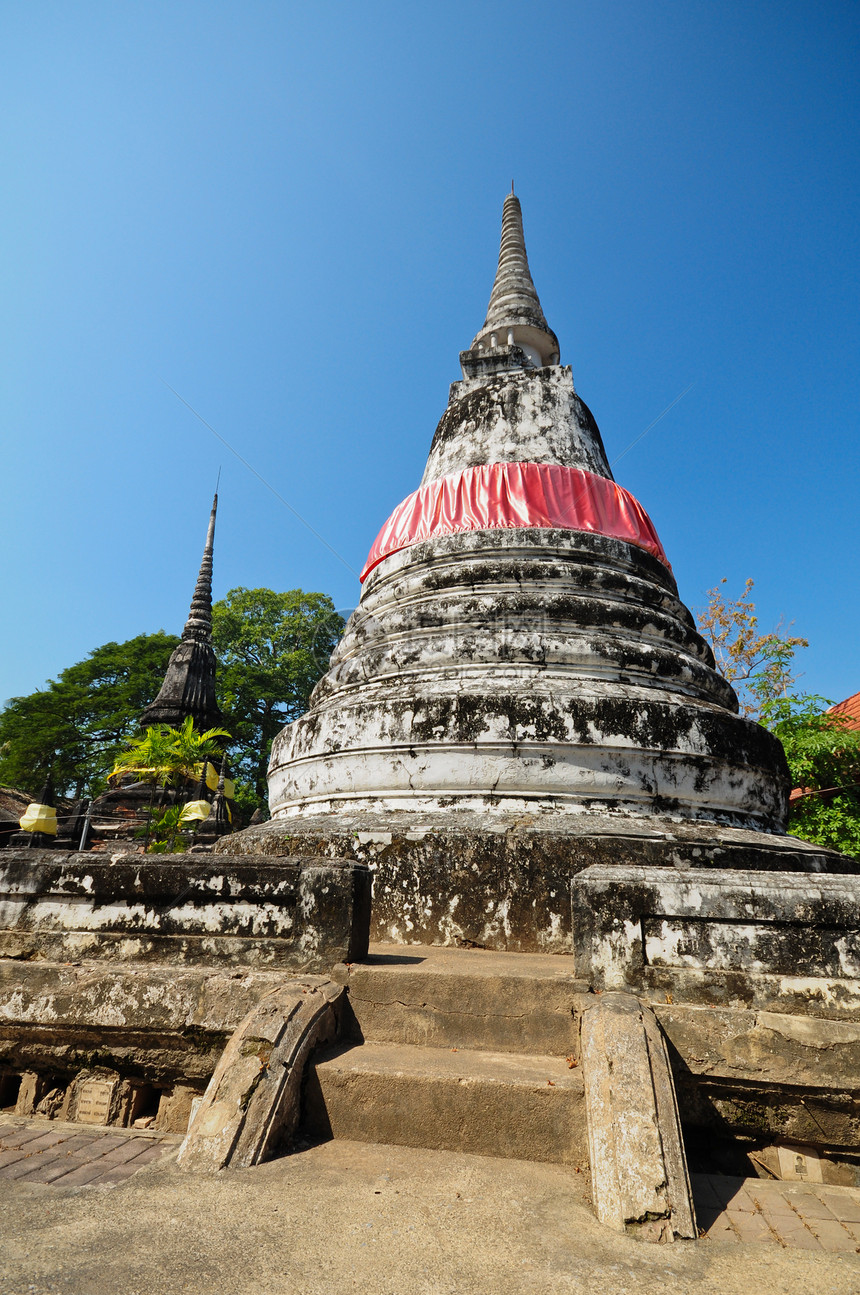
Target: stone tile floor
(808, 1216)
(72, 1155)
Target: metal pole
(86, 828)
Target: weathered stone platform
(164, 1023)
(504, 881)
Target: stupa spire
(515, 316)
(198, 627)
(189, 682)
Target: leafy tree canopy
(823, 754)
(822, 750)
(742, 653)
(79, 722)
(272, 648)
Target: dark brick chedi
(189, 683)
(123, 813)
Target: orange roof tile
(849, 709)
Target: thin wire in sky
(655, 422)
(261, 478)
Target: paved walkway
(73, 1156)
(345, 1218)
(805, 1216)
(808, 1216)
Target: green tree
(80, 720)
(822, 751)
(272, 649)
(823, 754)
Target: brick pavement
(68, 1156)
(807, 1216)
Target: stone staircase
(456, 1050)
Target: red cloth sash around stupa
(513, 495)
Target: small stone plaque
(94, 1099)
(799, 1165)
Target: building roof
(849, 710)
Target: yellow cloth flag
(212, 780)
(211, 775)
(195, 810)
(39, 818)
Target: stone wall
(755, 980)
(123, 977)
(188, 909)
(771, 941)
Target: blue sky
(290, 214)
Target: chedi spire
(189, 682)
(515, 318)
(199, 624)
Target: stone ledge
(502, 881)
(305, 914)
(157, 1021)
(721, 938)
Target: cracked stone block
(638, 1166)
(253, 1099)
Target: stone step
(487, 1103)
(463, 998)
